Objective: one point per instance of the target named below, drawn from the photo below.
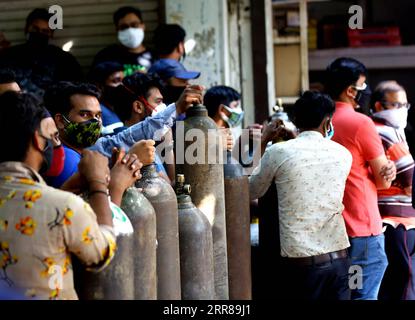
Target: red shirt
(358, 134)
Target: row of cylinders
(181, 249)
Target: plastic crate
(374, 36)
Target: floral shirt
(39, 229)
(310, 174)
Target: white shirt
(310, 174)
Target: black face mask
(37, 39)
(363, 99)
(47, 156)
(172, 93)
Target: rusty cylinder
(196, 248)
(163, 199)
(206, 178)
(143, 218)
(115, 282)
(238, 230)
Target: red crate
(374, 36)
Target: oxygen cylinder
(206, 178)
(238, 230)
(115, 282)
(196, 248)
(143, 218)
(163, 199)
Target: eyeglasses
(397, 105)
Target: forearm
(98, 200)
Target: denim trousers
(368, 255)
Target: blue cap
(167, 68)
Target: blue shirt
(110, 120)
(149, 128)
(70, 167)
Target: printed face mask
(131, 37)
(82, 134)
(235, 117)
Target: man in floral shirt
(40, 227)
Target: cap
(167, 68)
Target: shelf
(287, 100)
(287, 40)
(373, 57)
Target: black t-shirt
(131, 61)
(38, 67)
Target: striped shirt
(395, 203)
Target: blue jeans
(369, 254)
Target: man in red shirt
(370, 171)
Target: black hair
(123, 11)
(37, 14)
(100, 72)
(20, 117)
(134, 86)
(167, 37)
(342, 73)
(57, 98)
(218, 95)
(310, 109)
(382, 89)
(7, 76)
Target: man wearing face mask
(36, 63)
(107, 76)
(371, 171)
(389, 112)
(41, 226)
(77, 114)
(169, 46)
(137, 99)
(310, 173)
(130, 51)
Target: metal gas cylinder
(196, 247)
(115, 282)
(144, 251)
(163, 199)
(206, 178)
(238, 230)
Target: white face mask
(131, 37)
(158, 109)
(397, 118)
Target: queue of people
(344, 179)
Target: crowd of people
(73, 144)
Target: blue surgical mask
(330, 131)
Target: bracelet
(98, 191)
(97, 181)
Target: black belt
(322, 258)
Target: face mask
(82, 134)
(47, 156)
(396, 118)
(172, 93)
(363, 98)
(37, 39)
(58, 161)
(158, 109)
(330, 131)
(131, 37)
(235, 118)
